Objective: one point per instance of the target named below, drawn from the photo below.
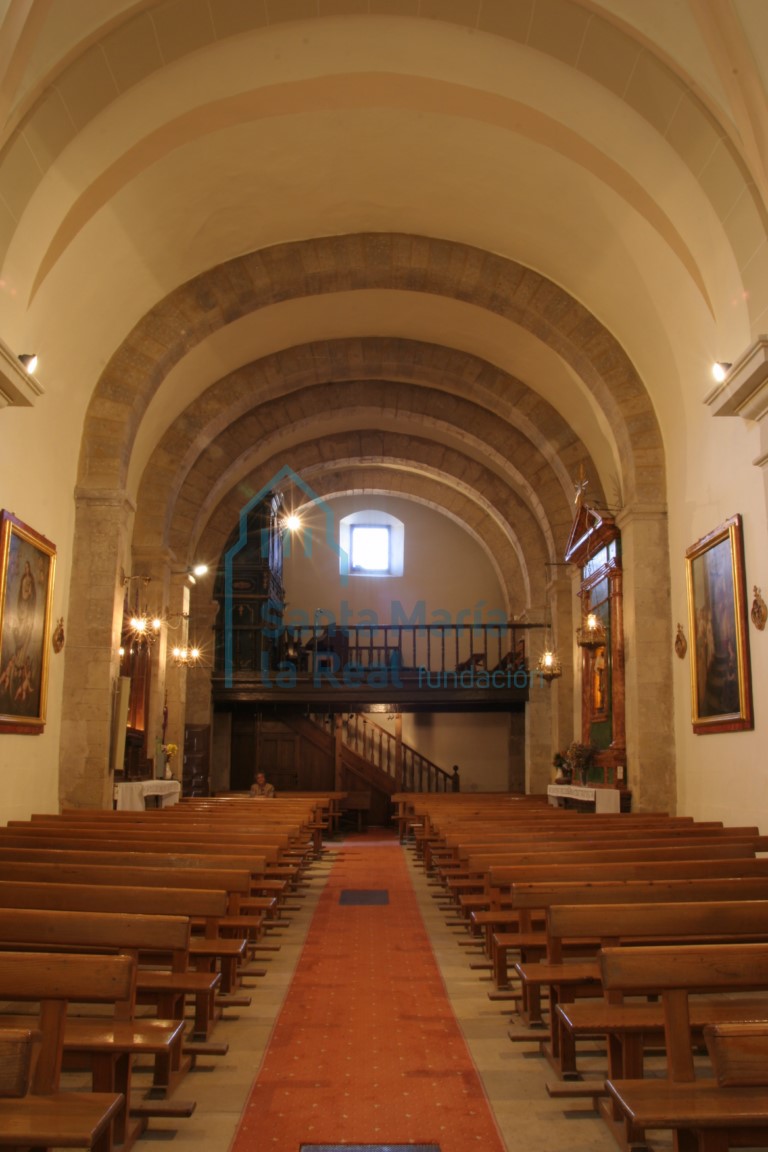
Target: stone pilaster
(94, 620)
(648, 641)
(549, 714)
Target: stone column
(156, 564)
(648, 647)
(549, 713)
(175, 675)
(517, 749)
(203, 613)
(91, 658)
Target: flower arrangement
(169, 751)
(577, 758)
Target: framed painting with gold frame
(27, 562)
(721, 687)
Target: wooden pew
(629, 849)
(119, 870)
(167, 990)
(464, 843)
(440, 844)
(627, 1028)
(272, 873)
(159, 943)
(48, 1117)
(694, 1109)
(17, 1046)
(523, 899)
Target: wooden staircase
(367, 758)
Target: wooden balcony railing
(382, 654)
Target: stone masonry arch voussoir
(511, 538)
(208, 302)
(542, 452)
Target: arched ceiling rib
(460, 478)
(514, 554)
(206, 304)
(309, 393)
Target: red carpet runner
(366, 1049)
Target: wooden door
(278, 755)
(197, 760)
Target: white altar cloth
(131, 797)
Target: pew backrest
(52, 980)
(674, 972)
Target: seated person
(260, 787)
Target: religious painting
(27, 562)
(599, 677)
(721, 687)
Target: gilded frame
(721, 686)
(27, 564)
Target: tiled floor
(514, 1074)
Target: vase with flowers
(169, 751)
(581, 757)
(562, 768)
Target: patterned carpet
(366, 1049)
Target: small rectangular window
(370, 551)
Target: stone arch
(215, 298)
(494, 517)
(520, 435)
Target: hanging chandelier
(550, 666)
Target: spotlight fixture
(29, 362)
(191, 572)
(720, 370)
(592, 632)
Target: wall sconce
(192, 572)
(186, 657)
(681, 644)
(759, 611)
(28, 360)
(143, 623)
(183, 655)
(592, 632)
(720, 370)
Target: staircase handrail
(413, 773)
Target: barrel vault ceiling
(454, 250)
